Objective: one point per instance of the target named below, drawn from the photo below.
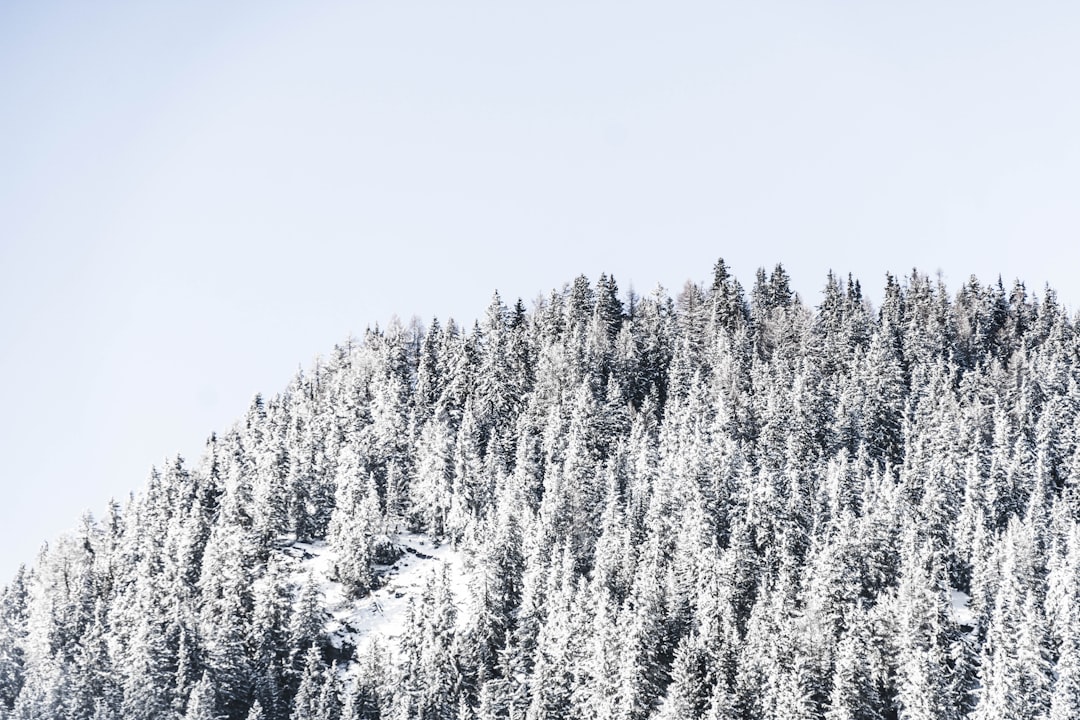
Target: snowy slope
(381, 613)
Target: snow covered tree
(256, 712)
(202, 701)
(355, 523)
(306, 702)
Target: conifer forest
(725, 504)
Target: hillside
(722, 504)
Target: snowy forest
(721, 504)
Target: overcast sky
(197, 198)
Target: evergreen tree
(306, 630)
(256, 712)
(201, 704)
(306, 702)
(853, 691)
(354, 525)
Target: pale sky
(197, 198)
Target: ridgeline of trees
(716, 505)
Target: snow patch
(959, 606)
(383, 612)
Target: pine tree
(430, 491)
(923, 682)
(306, 630)
(641, 672)
(306, 702)
(268, 640)
(13, 618)
(354, 525)
(201, 704)
(853, 691)
(368, 697)
(256, 712)
(688, 693)
(329, 702)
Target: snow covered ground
(960, 607)
(381, 613)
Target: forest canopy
(717, 504)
